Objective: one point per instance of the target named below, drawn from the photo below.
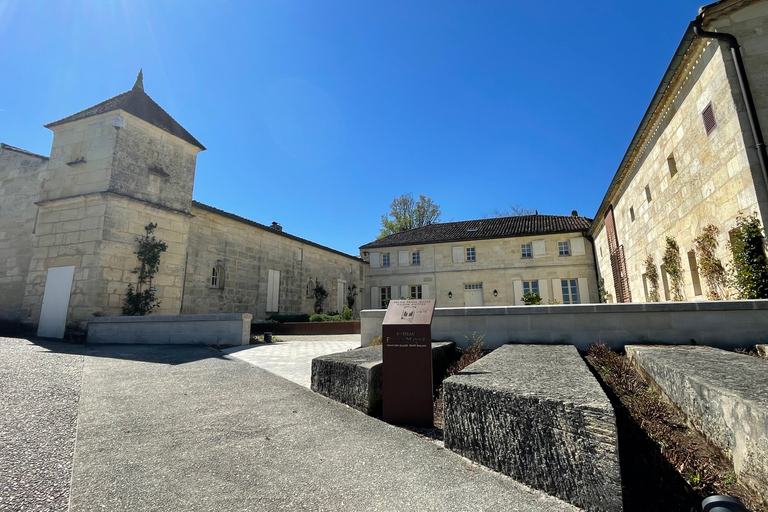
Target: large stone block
(537, 414)
(355, 377)
(723, 394)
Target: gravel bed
(39, 393)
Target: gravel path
(39, 391)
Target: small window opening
(645, 288)
(671, 165)
(631, 214)
(694, 273)
(648, 193)
(708, 115)
(217, 276)
(665, 282)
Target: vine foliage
(750, 266)
(320, 295)
(711, 268)
(140, 300)
(674, 268)
(652, 279)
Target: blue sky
(316, 114)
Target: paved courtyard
(153, 427)
(291, 358)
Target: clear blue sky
(316, 114)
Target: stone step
(355, 377)
(537, 414)
(723, 394)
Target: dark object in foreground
(722, 504)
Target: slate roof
(138, 103)
(255, 224)
(483, 229)
(3, 145)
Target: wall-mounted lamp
(450, 295)
(495, 293)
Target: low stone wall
(355, 377)
(537, 414)
(723, 394)
(725, 324)
(316, 328)
(227, 329)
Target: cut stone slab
(537, 414)
(762, 351)
(723, 394)
(355, 377)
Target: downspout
(597, 266)
(746, 92)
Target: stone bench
(225, 329)
(355, 377)
(537, 414)
(723, 394)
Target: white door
(473, 295)
(341, 295)
(58, 288)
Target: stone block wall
(20, 176)
(246, 252)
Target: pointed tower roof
(138, 103)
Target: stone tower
(113, 169)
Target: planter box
(317, 328)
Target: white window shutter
(557, 291)
(543, 291)
(577, 246)
(539, 248)
(517, 288)
(375, 260)
(405, 291)
(273, 290)
(375, 301)
(402, 258)
(425, 291)
(583, 291)
(458, 254)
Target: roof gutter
(746, 92)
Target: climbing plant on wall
(351, 296)
(320, 296)
(652, 279)
(750, 266)
(711, 268)
(141, 299)
(673, 266)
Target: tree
(652, 278)
(405, 213)
(140, 301)
(514, 210)
(710, 265)
(673, 266)
(750, 265)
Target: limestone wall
(683, 179)
(20, 175)
(247, 253)
(499, 265)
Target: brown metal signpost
(407, 351)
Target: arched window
(217, 276)
(310, 289)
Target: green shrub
(750, 266)
(376, 341)
(290, 318)
(532, 299)
(347, 315)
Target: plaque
(407, 352)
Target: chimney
(276, 226)
(574, 213)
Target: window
(385, 259)
(273, 291)
(530, 287)
(415, 258)
(648, 193)
(671, 165)
(217, 276)
(563, 249)
(385, 293)
(527, 251)
(310, 289)
(470, 254)
(477, 286)
(570, 291)
(645, 288)
(708, 116)
(416, 291)
(694, 266)
(631, 215)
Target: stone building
(491, 262)
(69, 223)
(694, 160)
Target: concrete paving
(291, 358)
(190, 428)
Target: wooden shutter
(375, 300)
(405, 291)
(375, 260)
(425, 291)
(539, 248)
(402, 258)
(557, 290)
(544, 291)
(517, 290)
(458, 254)
(577, 246)
(584, 291)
